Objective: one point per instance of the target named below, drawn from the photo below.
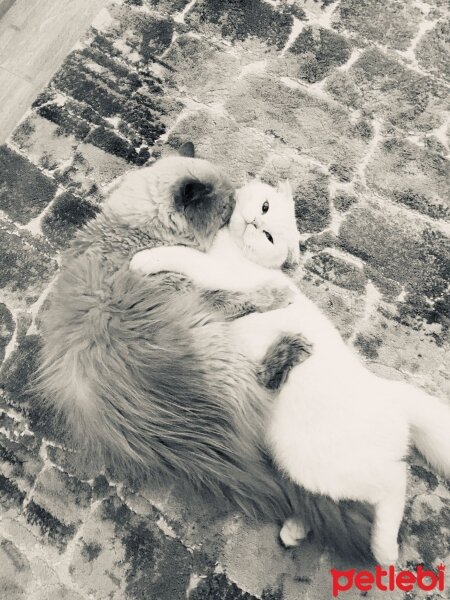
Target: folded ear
(192, 193)
(187, 149)
(285, 189)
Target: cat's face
(263, 224)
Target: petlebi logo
(387, 579)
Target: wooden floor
(35, 37)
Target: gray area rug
(347, 99)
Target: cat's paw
(147, 262)
(385, 553)
(292, 533)
(268, 298)
(285, 296)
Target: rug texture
(346, 98)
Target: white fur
(292, 532)
(250, 223)
(335, 428)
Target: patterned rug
(347, 99)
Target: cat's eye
(265, 207)
(268, 236)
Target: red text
(387, 579)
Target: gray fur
(141, 370)
(285, 353)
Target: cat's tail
(429, 419)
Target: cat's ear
(191, 193)
(187, 149)
(285, 189)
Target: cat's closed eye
(265, 207)
(268, 236)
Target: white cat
(335, 428)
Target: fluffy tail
(430, 428)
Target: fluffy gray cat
(142, 371)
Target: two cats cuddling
(176, 347)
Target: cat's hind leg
(388, 517)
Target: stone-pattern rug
(347, 99)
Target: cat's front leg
(234, 305)
(230, 305)
(210, 273)
(265, 298)
(162, 258)
(267, 290)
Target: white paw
(147, 262)
(385, 554)
(292, 532)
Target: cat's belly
(334, 432)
